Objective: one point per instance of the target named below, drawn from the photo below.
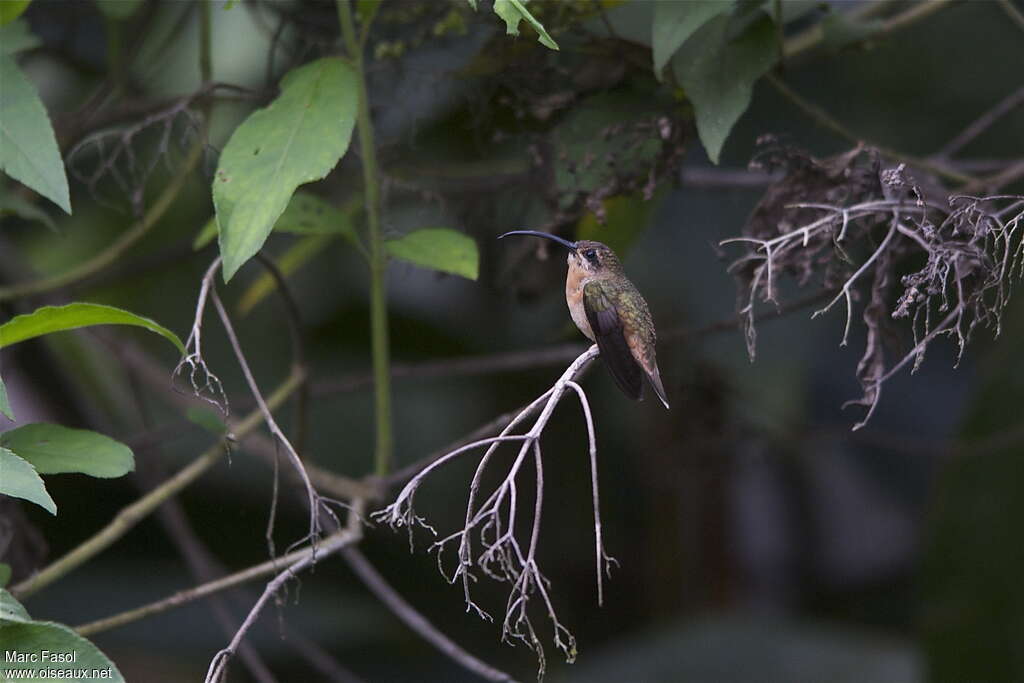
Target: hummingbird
(610, 311)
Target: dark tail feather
(655, 378)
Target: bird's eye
(590, 255)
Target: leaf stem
(378, 257)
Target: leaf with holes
(28, 149)
(299, 138)
(514, 11)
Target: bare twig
(328, 545)
(414, 620)
(315, 502)
(1013, 12)
(350, 534)
(826, 120)
(982, 123)
(492, 524)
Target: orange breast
(574, 283)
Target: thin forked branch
(489, 540)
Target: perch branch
(489, 538)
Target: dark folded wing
(607, 327)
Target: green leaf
(55, 647)
(11, 610)
(718, 75)
(72, 316)
(55, 449)
(440, 249)
(5, 405)
(306, 214)
(293, 259)
(28, 149)
(675, 22)
(11, 203)
(20, 480)
(472, 3)
(299, 138)
(5, 576)
(118, 9)
(11, 10)
(16, 36)
(514, 11)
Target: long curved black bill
(536, 233)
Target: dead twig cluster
(945, 265)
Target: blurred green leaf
(293, 259)
(20, 480)
(16, 36)
(28, 149)
(306, 214)
(5, 405)
(206, 234)
(11, 609)
(11, 10)
(626, 217)
(5, 574)
(72, 316)
(718, 75)
(11, 203)
(514, 11)
(472, 3)
(206, 418)
(441, 249)
(675, 22)
(55, 449)
(299, 138)
(19, 633)
(118, 9)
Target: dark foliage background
(760, 539)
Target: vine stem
(378, 258)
